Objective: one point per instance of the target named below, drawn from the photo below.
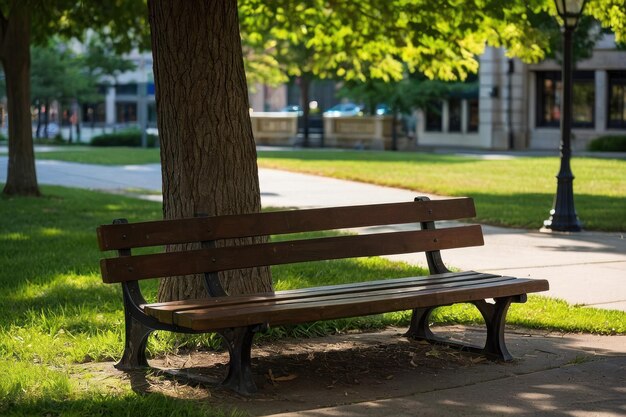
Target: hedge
(130, 138)
(608, 144)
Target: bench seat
(339, 301)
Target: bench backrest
(123, 237)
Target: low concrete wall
(368, 132)
(274, 128)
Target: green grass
(516, 192)
(55, 311)
(104, 156)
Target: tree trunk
(208, 154)
(46, 119)
(305, 82)
(39, 119)
(15, 57)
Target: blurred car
(382, 109)
(53, 129)
(344, 109)
(293, 108)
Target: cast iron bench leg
(239, 343)
(136, 337)
(494, 316)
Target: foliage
(608, 144)
(130, 137)
(585, 36)
(361, 40)
(58, 74)
(415, 91)
(611, 14)
(520, 195)
(102, 61)
(2, 138)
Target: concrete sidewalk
(584, 268)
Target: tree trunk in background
(15, 57)
(208, 154)
(39, 119)
(305, 83)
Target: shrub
(124, 138)
(608, 144)
(2, 138)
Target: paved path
(584, 268)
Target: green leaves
(382, 38)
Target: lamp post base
(563, 216)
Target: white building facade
(517, 105)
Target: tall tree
(23, 22)
(208, 153)
(15, 57)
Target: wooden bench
(238, 318)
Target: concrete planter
(363, 132)
(274, 128)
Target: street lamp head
(570, 11)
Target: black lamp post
(563, 214)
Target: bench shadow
(308, 375)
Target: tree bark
(15, 57)
(208, 154)
(305, 84)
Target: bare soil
(296, 374)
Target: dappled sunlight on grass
(13, 236)
(51, 231)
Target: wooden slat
(156, 233)
(220, 259)
(163, 311)
(299, 312)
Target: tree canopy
(384, 38)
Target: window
(472, 117)
(549, 97)
(433, 116)
(152, 113)
(617, 100)
(454, 115)
(126, 89)
(94, 113)
(126, 112)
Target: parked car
(293, 108)
(344, 109)
(382, 109)
(53, 130)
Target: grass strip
(515, 192)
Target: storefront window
(433, 116)
(94, 113)
(454, 115)
(549, 96)
(472, 117)
(126, 112)
(617, 100)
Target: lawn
(55, 312)
(510, 192)
(515, 192)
